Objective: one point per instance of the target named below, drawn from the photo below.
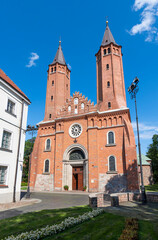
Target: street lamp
(32, 130)
(133, 89)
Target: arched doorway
(75, 167)
(77, 171)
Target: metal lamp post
(133, 89)
(32, 130)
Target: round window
(75, 130)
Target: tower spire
(108, 37)
(59, 57)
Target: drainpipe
(17, 159)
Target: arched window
(46, 166)
(52, 69)
(75, 101)
(47, 144)
(109, 50)
(76, 155)
(107, 66)
(109, 104)
(82, 105)
(108, 84)
(104, 51)
(111, 139)
(112, 164)
(92, 122)
(69, 108)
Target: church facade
(80, 144)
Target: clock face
(75, 130)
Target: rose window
(75, 130)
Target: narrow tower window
(107, 66)
(111, 138)
(46, 166)
(108, 84)
(109, 50)
(104, 51)
(52, 69)
(51, 98)
(52, 83)
(47, 147)
(112, 164)
(50, 115)
(109, 104)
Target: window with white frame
(3, 175)
(6, 140)
(11, 107)
(76, 101)
(111, 139)
(112, 164)
(82, 105)
(48, 145)
(69, 108)
(46, 166)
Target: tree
(27, 151)
(153, 155)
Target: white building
(13, 119)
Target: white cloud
(148, 18)
(33, 58)
(69, 66)
(146, 131)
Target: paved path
(136, 210)
(48, 201)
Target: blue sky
(32, 29)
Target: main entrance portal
(77, 178)
(75, 167)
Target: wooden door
(77, 178)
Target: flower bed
(56, 228)
(131, 230)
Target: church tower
(110, 79)
(58, 85)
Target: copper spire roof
(11, 83)
(59, 57)
(108, 37)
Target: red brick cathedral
(80, 144)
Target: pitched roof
(145, 160)
(11, 83)
(59, 57)
(108, 37)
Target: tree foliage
(27, 151)
(153, 155)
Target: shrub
(66, 187)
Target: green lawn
(148, 230)
(105, 226)
(152, 188)
(32, 221)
